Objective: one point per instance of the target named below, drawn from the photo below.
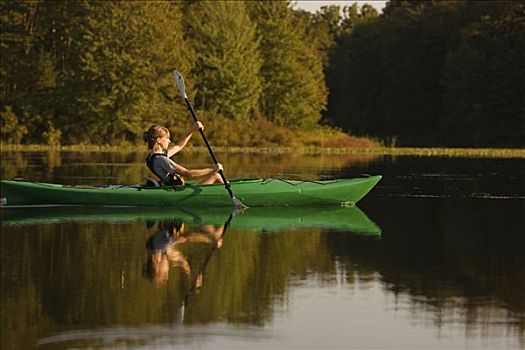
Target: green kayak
(252, 192)
(266, 218)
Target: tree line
(421, 73)
(101, 72)
(444, 73)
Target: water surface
(432, 258)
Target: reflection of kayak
(341, 218)
(253, 193)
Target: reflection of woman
(163, 247)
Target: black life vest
(172, 180)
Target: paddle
(193, 287)
(214, 247)
(180, 83)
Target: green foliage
(103, 64)
(432, 73)
(260, 132)
(423, 73)
(125, 58)
(228, 60)
(355, 15)
(320, 29)
(52, 135)
(11, 130)
(19, 67)
(485, 85)
(18, 27)
(294, 91)
(390, 83)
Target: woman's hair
(153, 134)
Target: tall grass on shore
(389, 151)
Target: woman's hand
(217, 167)
(197, 126)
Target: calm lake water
(434, 257)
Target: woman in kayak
(166, 170)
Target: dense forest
(422, 73)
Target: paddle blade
(238, 204)
(180, 83)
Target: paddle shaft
(221, 173)
(210, 253)
(203, 267)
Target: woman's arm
(192, 173)
(184, 140)
(177, 259)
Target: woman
(169, 172)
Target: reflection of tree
(20, 297)
(13, 165)
(54, 160)
(102, 168)
(450, 260)
(83, 276)
(291, 165)
(74, 276)
(32, 166)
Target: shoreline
(381, 151)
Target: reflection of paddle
(210, 253)
(200, 272)
(180, 83)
